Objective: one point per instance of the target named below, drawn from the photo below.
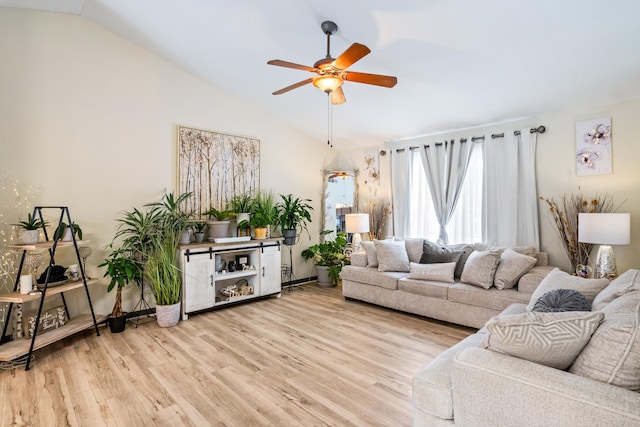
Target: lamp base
(355, 241)
(605, 263)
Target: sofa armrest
(531, 279)
(359, 259)
(491, 389)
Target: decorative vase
(220, 263)
(217, 229)
(323, 277)
(260, 232)
(185, 237)
(117, 324)
(30, 237)
(168, 315)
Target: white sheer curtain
(510, 210)
(445, 165)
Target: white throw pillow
(558, 279)
(440, 272)
(551, 339)
(480, 268)
(512, 266)
(370, 249)
(392, 255)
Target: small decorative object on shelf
(85, 252)
(49, 320)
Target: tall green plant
(265, 209)
(162, 272)
(241, 203)
(294, 212)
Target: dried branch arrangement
(564, 215)
(378, 211)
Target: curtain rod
(539, 129)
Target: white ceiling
(459, 63)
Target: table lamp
(356, 224)
(604, 229)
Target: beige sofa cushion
(558, 279)
(372, 276)
(424, 287)
(431, 391)
(613, 354)
(511, 267)
(490, 298)
(480, 268)
(530, 280)
(551, 339)
(626, 282)
(392, 255)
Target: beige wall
(556, 170)
(90, 118)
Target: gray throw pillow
(432, 254)
(560, 300)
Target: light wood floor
(309, 358)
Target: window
(466, 224)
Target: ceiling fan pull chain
(329, 120)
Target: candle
(26, 285)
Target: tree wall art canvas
(215, 167)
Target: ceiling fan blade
(354, 53)
(293, 86)
(337, 96)
(370, 79)
(280, 63)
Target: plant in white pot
(198, 228)
(65, 231)
(242, 205)
(293, 213)
(218, 223)
(161, 269)
(31, 229)
(329, 258)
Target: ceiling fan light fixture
(327, 83)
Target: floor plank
(309, 358)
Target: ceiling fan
(331, 72)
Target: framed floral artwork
(593, 147)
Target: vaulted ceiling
(459, 63)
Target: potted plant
(242, 205)
(218, 223)
(31, 227)
(264, 214)
(65, 231)
(122, 268)
(293, 212)
(161, 269)
(138, 230)
(329, 258)
(199, 231)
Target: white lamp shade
(604, 228)
(357, 223)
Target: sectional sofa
(556, 369)
(467, 296)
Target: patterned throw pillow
(560, 300)
(551, 339)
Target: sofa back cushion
(558, 279)
(613, 354)
(626, 282)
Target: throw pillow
(525, 250)
(466, 251)
(440, 272)
(558, 279)
(626, 282)
(560, 300)
(414, 248)
(392, 255)
(512, 266)
(432, 253)
(551, 339)
(613, 354)
(370, 249)
(480, 268)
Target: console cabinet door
(270, 279)
(199, 288)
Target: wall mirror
(340, 198)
